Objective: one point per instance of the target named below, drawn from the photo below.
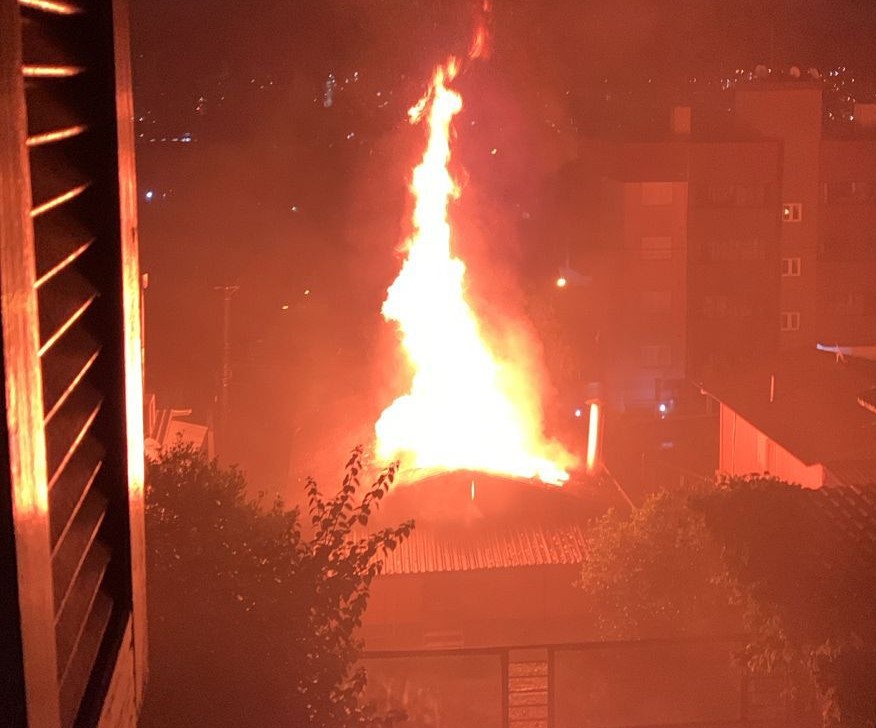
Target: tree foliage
(758, 548)
(651, 573)
(807, 590)
(253, 616)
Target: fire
(467, 408)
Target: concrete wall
(792, 113)
(847, 246)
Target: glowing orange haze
(467, 408)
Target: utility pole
(227, 293)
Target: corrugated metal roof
(852, 472)
(429, 551)
(849, 517)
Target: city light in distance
(562, 282)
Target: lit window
(790, 267)
(792, 211)
(657, 248)
(656, 193)
(790, 321)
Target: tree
(651, 573)
(807, 588)
(755, 553)
(252, 620)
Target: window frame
(794, 267)
(655, 252)
(789, 321)
(792, 212)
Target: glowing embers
(468, 407)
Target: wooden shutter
(87, 299)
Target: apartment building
(717, 242)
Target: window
(790, 321)
(790, 267)
(656, 193)
(657, 248)
(732, 195)
(656, 355)
(657, 301)
(837, 246)
(792, 212)
(717, 306)
(848, 193)
(729, 249)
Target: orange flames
(467, 408)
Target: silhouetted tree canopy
(651, 573)
(252, 617)
(807, 588)
(753, 552)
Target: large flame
(467, 408)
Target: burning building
(476, 620)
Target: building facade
(715, 241)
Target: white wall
(745, 450)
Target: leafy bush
(252, 617)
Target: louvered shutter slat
(54, 39)
(73, 549)
(57, 7)
(61, 239)
(56, 177)
(72, 619)
(68, 429)
(81, 665)
(66, 367)
(60, 104)
(72, 485)
(63, 301)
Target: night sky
(302, 203)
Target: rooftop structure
(798, 417)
